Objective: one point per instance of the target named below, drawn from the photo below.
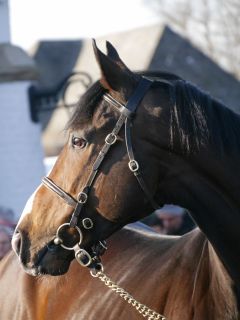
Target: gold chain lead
(141, 308)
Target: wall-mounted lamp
(42, 100)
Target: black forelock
(86, 106)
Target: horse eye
(78, 142)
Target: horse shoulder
(194, 283)
(12, 306)
(212, 295)
(180, 277)
(213, 288)
(21, 295)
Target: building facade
(21, 155)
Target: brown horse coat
(180, 277)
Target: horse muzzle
(48, 259)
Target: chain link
(141, 308)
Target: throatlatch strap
(136, 169)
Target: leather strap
(109, 141)
(139, 93)
(134, 165)
(59, 191)
(125, 117)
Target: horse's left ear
(113, 54)
(115, 74)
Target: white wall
(21, 155)
(4, 22)
(21, 165)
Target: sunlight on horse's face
(115, 198)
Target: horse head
(133, 142)
(88, 173)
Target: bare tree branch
(216, 21)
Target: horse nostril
(16, 242)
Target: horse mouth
(34, 271)
(53, 261)
(42, 270)
(53, 258)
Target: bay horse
(179, 146)
(180, 277)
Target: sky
(33, 20)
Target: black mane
(86, 106)
(197, 120)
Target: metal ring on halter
(82, 197)
(95, 272)
(133, 165)
(87, 223)
(111, 138)
(103, 244)
(59, 241)
(83, 253)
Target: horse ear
(113, 54)
(115, 74)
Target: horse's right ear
(115, 74)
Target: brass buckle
(82, 197)
(87, 223)
(111, 138)
(133, 165)
(81, 253)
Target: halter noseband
(126, 115)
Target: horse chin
(42, 270)
(49, 262)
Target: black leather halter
(126, 115)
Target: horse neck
(212, 285)
(206, 181)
